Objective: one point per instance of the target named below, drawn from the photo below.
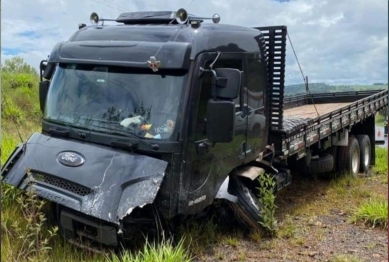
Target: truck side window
(256, 85)
(205, 94)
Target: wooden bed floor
(308, 111)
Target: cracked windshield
(115, 100)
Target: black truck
(161, 113)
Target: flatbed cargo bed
(303, 127)
(309, 111)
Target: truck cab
(156, 108)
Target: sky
(336, 41)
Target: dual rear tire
(354, 158)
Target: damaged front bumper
(87, 179)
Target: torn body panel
(108, 184)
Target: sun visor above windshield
(171, 55)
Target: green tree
(17, 65)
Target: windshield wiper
(120, 143)
(62, 132)
(65, 132)
(124, 144)
(128, 144)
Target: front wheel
(248, 209)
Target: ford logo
(72, 159)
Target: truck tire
(333, 151)
(365, 152)
(248, 209)
(323, 164)
(349, 158)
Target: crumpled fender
(108, 185)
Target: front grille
(57, 182)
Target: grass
(381, 165)
(345, 258)
(287, 229)
(165, 252)
(373, 212)
(232, 241)
(380, 120)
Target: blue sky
(339, 42)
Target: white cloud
(336, 41)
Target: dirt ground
(313, 217)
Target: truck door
(257, 128)
(208, 165)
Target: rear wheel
(365, 152)
(349, 158)
(248, 209)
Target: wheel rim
(367, 156)
(354, 161)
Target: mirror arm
(201, 72)
(213, 85)
(214, 61)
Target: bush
(20, 99)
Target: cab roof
(205, 37)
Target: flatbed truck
(160, 114)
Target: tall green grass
(381, 165)
(164, 252)
(373, 212)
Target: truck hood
(96, 180)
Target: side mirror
(220, 121)
(226, 83)
(42, 68)
(43, 89)
(48, 70)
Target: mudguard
(99, 181)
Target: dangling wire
(189, 4)
(111, 5)
(305, 79)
